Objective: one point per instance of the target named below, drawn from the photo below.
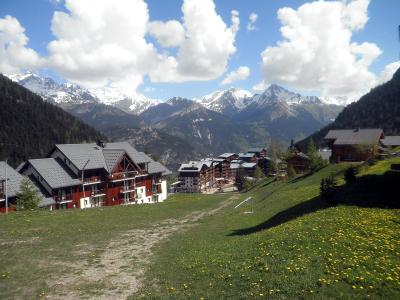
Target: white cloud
(317, 51)
(102, 43)
(168, 34)
(14, 54)
(388, 72)
(261, 86)
(240, 73)
(252, 20)
(206, 49)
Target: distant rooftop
(391, 141)
(355, 136)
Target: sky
(191, 48)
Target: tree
(28, 198)
(329, 189)
(258, 173)
(239, 182)
(316, 161)
(350, 175)
(291, 172)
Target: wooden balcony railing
(92, 180)
(63, 199)
(97, 193)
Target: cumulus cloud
(168, 34)
(388, 72)
(240, 73)
(317, 51)
(206, 48)
(101, 43)
(14, 54)
(252, 20)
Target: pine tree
(258, 173)
(28, 198)
(316, 161)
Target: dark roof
(101, 157)
(46, 202)
(355, 136)
(14, 179)
(156, 167)
(299, 154)
(112, 157)
(246, 155)
(53, 173)
(226, 155)
(390, 141)
(255, 150)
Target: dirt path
(118, 271)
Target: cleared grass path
(92, 254)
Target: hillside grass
(37, 246)
(293, 246)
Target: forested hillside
(29, 127)
(380, 108)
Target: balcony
(97, 193)
(123, 176)
(127, 189)
(63, 199)
(92, 180)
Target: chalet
(91, 175)
(220, 165)
(354, 144)
(13, 188)
(248, 169)
(248, 157)
(195, 176)
(299, 161)
(229, 156)
(259, 152)
(390, 141)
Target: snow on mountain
(228, 102)
(339, 100)
(67, 93)
(52, 91)
(276, 93)
(130, 102)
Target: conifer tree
(28, 198)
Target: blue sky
(381, 29)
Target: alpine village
(281, 191)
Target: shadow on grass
(378, 191)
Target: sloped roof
(156, 167)
(248, 165)
(226, 155)
(255, 150)
(391, 140)
(53, 173)
(14, 179)
(192, 166)
(112, 157)
(246, 154)
(355, 136)
(101, 157)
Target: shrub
(28, 198)
(291, 172)
(329, 189)
(350, 175)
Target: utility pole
(83, 183)
(5, 189)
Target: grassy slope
(31, 242)
(292, 247)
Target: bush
(28, 198)
(350, 175)
(291, 172)
(329, 189)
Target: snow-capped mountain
(52, 91)
(130, 102)
(276, 93)
(66, 93)
(227, 102)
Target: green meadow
(294, 245)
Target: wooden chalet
(229, 156)
(248, 157)
(13, 188)
(92, 175)
(390, 141)
(248, 169)
(299, 161)
(196, 176)
(259, 152)
(354, 144)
